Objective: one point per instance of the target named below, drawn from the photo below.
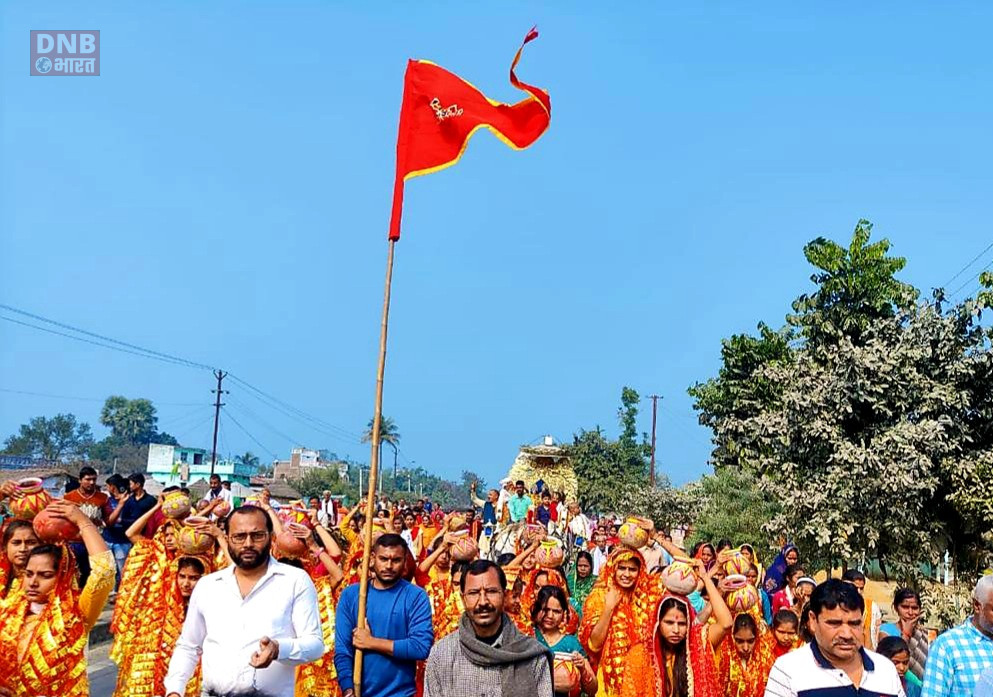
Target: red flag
(441, 111)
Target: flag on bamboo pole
(441, 111)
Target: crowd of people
(520, 594)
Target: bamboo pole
(377, 420)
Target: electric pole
(655, 407)
(220, 375)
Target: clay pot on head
(299, 516)
(32, 500)
(633, 534)
(289, 545)
(51, 529)
(680, 577)
(549, 555)
(465, 549)
(532, 532)
(742, 599)
(176, 505)
(566, 672)
(192, 541)
(734, 563)
(222, 509)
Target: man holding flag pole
(439, 113)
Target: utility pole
(360, 483)
(655, 407)
(220, 375)
(395, 450)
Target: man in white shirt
(600, 551)
(579, 525)
(835, 662)
(216, 491)
(329, 509)
(250, 624)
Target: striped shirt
(807, 673)
(956, 661)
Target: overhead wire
(962, 270)
(297, 410)
(970, 281)
(249, 434)
(242, 408)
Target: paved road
(102, 672)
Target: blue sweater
(401, 613)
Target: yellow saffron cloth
(624, 662)
(318, 678)
(148, 574)
(45, 653)
(738, 678)
(144, 650)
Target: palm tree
(248, 460)
(388, 433)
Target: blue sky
(222, 190)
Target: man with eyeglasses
(251, 624)
(488, 656)
(398, 629)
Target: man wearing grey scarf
(487, 656)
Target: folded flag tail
(441, 111)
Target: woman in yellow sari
(18, 539)
(146, 653)
(618, 625)
(45, 625)
(145, 581)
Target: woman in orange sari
(318, 678)
(745, 658)
(18, 540)
(538, 579)
(683, 662)
(145, 581)
(618, 625)
(144, 658)
(45, 625)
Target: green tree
(388, 433)
(58, 439)
(667, 507)
(248, 459)
(732, 505)
(855, 285)
(603, 481)
(874, 429)
(131, 421)
(739, 391)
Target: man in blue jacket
(398, 631)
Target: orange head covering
(735, 677)
(698, 653)
(55, 662)
(530, 594)
(624, 659)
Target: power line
(969, 282)
(298, 414)
(262, 422)
(86, 341)
(962, 270)
(244, 430)
(196, 411)
(93, 399)
(111, 340)
(103, 341)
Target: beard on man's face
(249, 558)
